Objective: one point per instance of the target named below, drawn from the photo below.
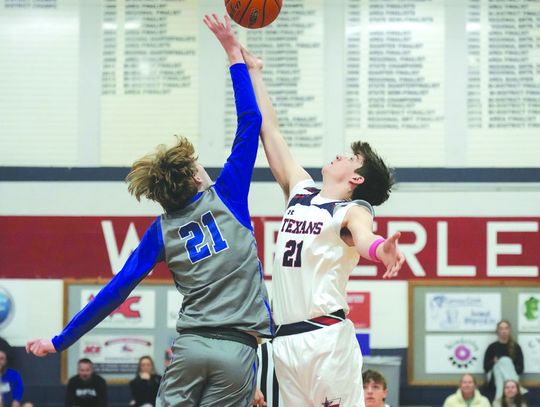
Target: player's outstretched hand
(40, 347)
(258, 401)
(251, 60)
(226, 36)
(391, 256)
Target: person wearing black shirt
(503, 360)
(86, 389)
(144, 387)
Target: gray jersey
(214, 263)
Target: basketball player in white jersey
(321, 239)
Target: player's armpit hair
(165, 176)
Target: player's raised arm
(282, 163)
(373, 247)
(234, 180)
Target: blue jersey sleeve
(233, 182)
(16, 384)
(140, 262)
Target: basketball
(253, 13)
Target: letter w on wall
(117, 258)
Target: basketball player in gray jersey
(206, 239)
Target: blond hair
(165, 176)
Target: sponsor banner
(530, 345)
(359, 309)
(115, 354)
(137, 311)
(174, 303)
(434, 247)
(456, 353)
(462, 312)
(529, 312)
(30, 309)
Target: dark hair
(511, 344)
(373, 375)
(378, 178)
(85, 360)
(518, 400)
(166, 176)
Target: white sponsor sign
(456, 353)
(137, 311)
(174, 303)
(530, 345)
(30, 309)
(462, 312)
(116, 353)
(529, 312)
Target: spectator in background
(375, 389)
(467, 395)
(11, 384)
(8, 351)
(144, 387)
(503, 360)
(511, 396)
(86, 389)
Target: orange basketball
(253, 13)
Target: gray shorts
(209, 372)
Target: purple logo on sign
(462, 355)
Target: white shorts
(320, 368)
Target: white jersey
(312, 263)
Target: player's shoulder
(303, 187)
(356, 207)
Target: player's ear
(198, 180)
(356, 179)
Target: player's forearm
(236, 174)
(138, 265)
(360, 224)
(363, 244)
(284, 167)
(234, 54)
(244, 94)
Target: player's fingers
(395, 269)
(208, 23)
(35, 348)
(395, 237)
(400, 260)
(216, 20)
(227, 22)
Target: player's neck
(334, 191)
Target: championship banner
(462, 312)
(456, 353)
(115, 354)
(442, 247)
(137, 311)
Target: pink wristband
(373, 249)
